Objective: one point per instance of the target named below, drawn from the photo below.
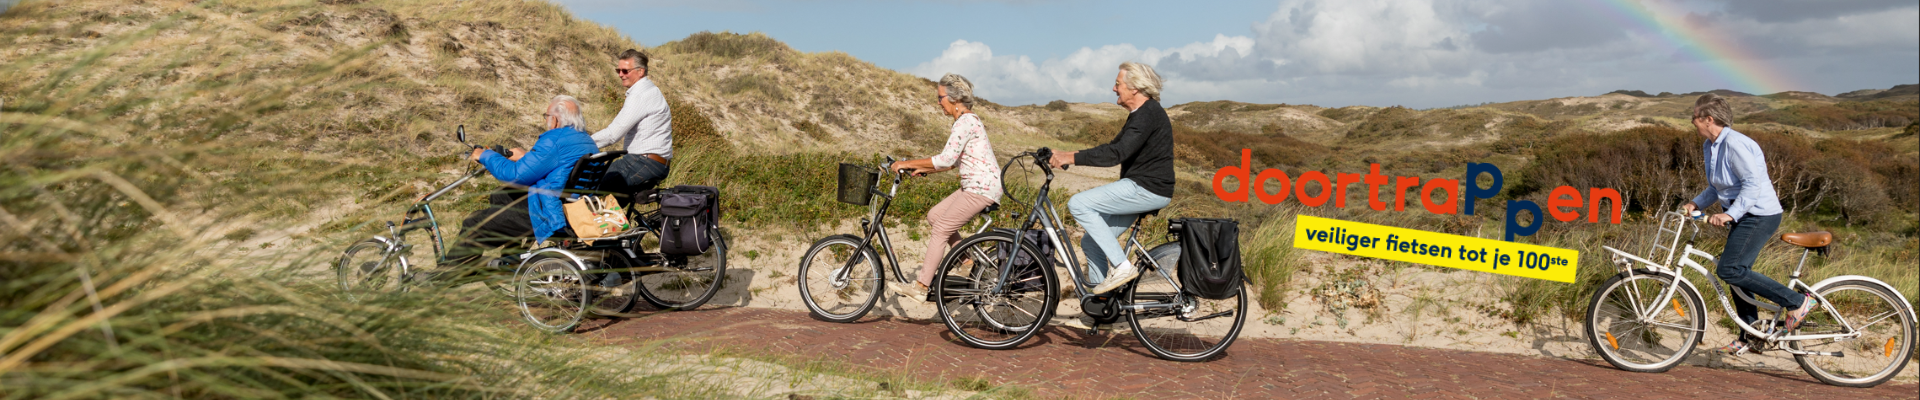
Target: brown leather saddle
(1816, 241)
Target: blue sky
(1417, 53)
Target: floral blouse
(968, 147)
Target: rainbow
(1720, 56)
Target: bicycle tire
(1884, 320)
(857, 299)
(1216, 322)
(687, 284)
(552, 293)
(366, 267)
(986, 320)
(1609, 327)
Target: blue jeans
(1735, 266)
(1105, 212)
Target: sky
(1415, 53)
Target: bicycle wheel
(1181, 327)
(552, 293)
(981, 317)
(366, 268)
(1883, 320)
(1632, 328)
(840, 281)
(688, 281)
(610, 301)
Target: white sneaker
(1117, 277)
(909, 290)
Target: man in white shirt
(644, 128)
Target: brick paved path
(1067, 363)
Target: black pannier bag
(688, 215)
(1027, 270)
(1209, 256)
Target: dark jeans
(633, 173)
(504, 224)
(1735, 266)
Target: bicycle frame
(1686, 258)
(1049, 222)
(874, 227)
(409, 223)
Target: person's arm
(533, 165)
(1130, 140)
(1750, 166)
(622, 124)
(957, 141)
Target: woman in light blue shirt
(1737, 178)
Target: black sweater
(1143, 150)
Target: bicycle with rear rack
(1649, 317)
(997, 289)
(842, 276)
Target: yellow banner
(1434, 248)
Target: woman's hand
(1720, 219)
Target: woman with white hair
(967, 149)
(1144, 152)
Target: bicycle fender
(1883, 285)
(552, 252)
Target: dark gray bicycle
(841, 277)
(997, 289)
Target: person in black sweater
(1144, 152)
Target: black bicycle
(997, 289)
(841, 276)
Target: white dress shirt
(644, 122)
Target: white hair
(568, 112)
(1142, 78)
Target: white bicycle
(1649, 317)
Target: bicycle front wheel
(979, 314)
(366, 268)
(839, 280)
(1885, 326)
(552, 293)
(687, 281)
(1632, 327)
(1177, 326)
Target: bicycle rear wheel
(366, 268)
(1632, 328)
(839, 280)
(552, 293)
(687, 281)
(1886, 329)
(981, 317)
(1181, 327)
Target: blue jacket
(544, 170)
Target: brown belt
(657, 158)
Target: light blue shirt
(1737, 176)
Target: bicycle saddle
(1155, 212)
(990, 209)
(1808, 239)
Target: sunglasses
(624, 71)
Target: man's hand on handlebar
(516, 154)
(477, 151)
(1062, 159)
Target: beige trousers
(945, 220)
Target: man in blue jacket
(535, 212)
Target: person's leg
(1735, 266)
(944, 222)
(1105, 212)
(492, 227)
(633, 173)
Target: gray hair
(1713, 106)
(568, 112)
(1142, 78)
(959, 89)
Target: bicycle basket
(856, 183)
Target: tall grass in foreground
(123, 275)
